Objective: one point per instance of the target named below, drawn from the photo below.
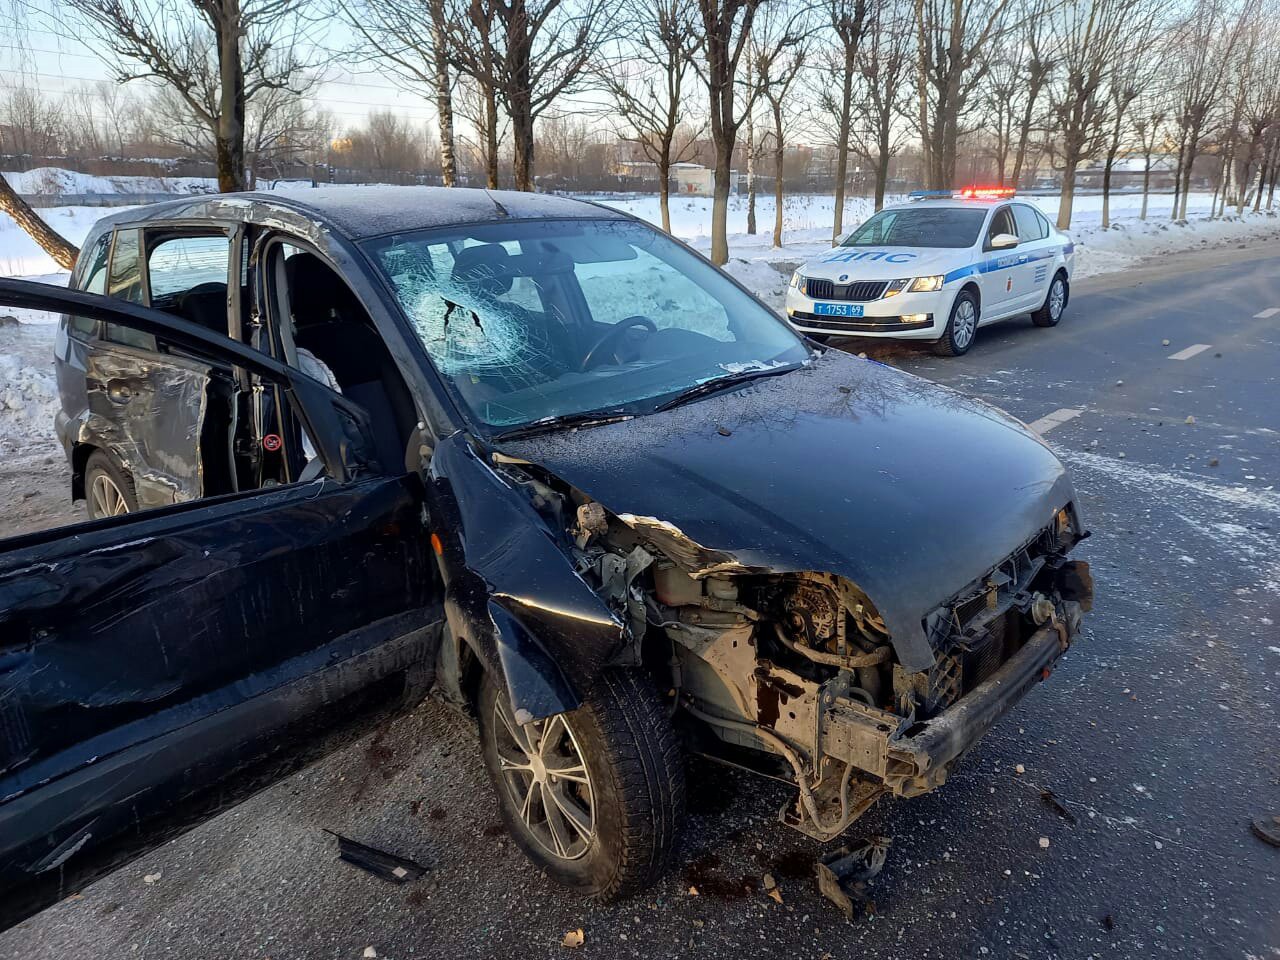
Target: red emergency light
(986, 193)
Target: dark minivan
(343, 449)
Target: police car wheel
(962, 327)
(1055, 302)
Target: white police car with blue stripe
(936, 268)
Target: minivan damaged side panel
(511, 591)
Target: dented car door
(157, 667)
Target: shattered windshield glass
(528, 320)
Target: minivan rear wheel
(595, 796)
(108, 490)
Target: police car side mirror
(1003, 241)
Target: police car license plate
(838, 309)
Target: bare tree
(530, 53)
(34, 122)
(847, 19)
(646, 82)
(883, 70)
(1150, 129)
(1088, 36)
(476, 102)
(953, 38)
(408, 40)
(1037, 66)
(217, 55)
(53, 243)
(726, 26)
(779, 52)
(1200, 55)
(1261, 119)
(1133, 72)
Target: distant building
(1128, 172)
(695, 180)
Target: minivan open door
(157, 667)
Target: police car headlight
(796, 279)
(926, 284)
(894, 288)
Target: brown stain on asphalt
(703, 874)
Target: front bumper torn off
(916, 759)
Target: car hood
(843, 264)
(847, 466)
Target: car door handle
(119, 391)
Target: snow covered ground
(60, 180)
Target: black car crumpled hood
(909, 489)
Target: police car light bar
(986, 193)
(967, 193)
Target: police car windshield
(920, 227)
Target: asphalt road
(1158, 733)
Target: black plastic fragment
(843, 875)
(378, 862)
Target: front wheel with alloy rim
(962, 326)
(595, 797)
(1055, 301)
(108, 490)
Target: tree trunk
(720, 204)
(1106, 190)
(882, 162)
(1146, 186)
(844, 127)
(751, 170)
(491, 138)
(1068, 193)
(522, 138)
(664, 190)
(51, 242)
(1192, 140)
(444, 98)
(229, 135)
(779, 158)
(1177, 176)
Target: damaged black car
(345, 449)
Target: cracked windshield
(544, 319)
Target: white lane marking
(1055, 419)
(1190, 352)
(1267, 313)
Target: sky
(55, 65)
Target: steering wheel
(611, 336)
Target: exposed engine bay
(794, 675)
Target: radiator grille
(860, 290)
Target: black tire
(102, 481)
(951, 344)
(1048, 315)
(636, 786)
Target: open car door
(157, 667)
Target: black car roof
(358, 212)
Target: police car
(936, 268)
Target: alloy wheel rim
(547, 780)
(1056, 298)
(965, 324)
(108, 501)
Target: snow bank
(28, 399)
(53, 180)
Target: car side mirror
(1004, 241)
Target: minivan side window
(94, 281)
(125, 283)
(177, 265)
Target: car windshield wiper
(587, 418)
(716, 384)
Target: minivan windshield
(920, 226)
(536, 319)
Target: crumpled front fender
(512, 593)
